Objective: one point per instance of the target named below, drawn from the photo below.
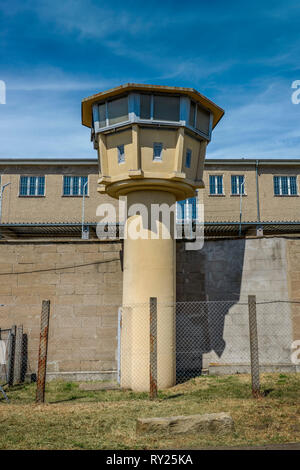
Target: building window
(186, 209)
(285, 186)
(188, 158)
(121, 154)
(216, 184)
(73, 185)
(237, 184)
(32, 186)
(157, 151)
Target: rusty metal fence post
(18, 355)
(11, 356)
(42, 364)
(254, 357)
(153, 348)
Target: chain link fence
(152, 346)
(214, 337)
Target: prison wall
(225, 272)
(83, 282)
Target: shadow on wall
(212, 274)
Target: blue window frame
(32, 186)
(157, 151)
(187, 209)
(237, 184)
(121, 154)
(73, 185)
(188, 158)
(216, 184)
(285, 185)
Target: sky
(242, 55)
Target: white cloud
(266, 125)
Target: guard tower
(151, 143)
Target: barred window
(74, 185)
(186, 209)
(32, 186)
(237, 184)
(285, 185)
(216, 184)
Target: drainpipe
(1, 198)
(241, 189)
(82, 221)
(257, 191)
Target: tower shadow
(208, 285)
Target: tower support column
(149, 271)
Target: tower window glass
(145, 106)
(202, 120)
(166, 108)
(192, 114)
(102, 115)
(118, 110)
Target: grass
(76, 419)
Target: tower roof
(87, 103)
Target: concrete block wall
(83, 281)
(293, 261)
(230, 270)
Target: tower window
(199, 118)
(192, 114)
(117, 110)
(202, 120)
(188, 158)
(145, 106)
(166, 108)
(121, 154)
(157, 151)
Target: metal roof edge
(94, 161)
(48, 161)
